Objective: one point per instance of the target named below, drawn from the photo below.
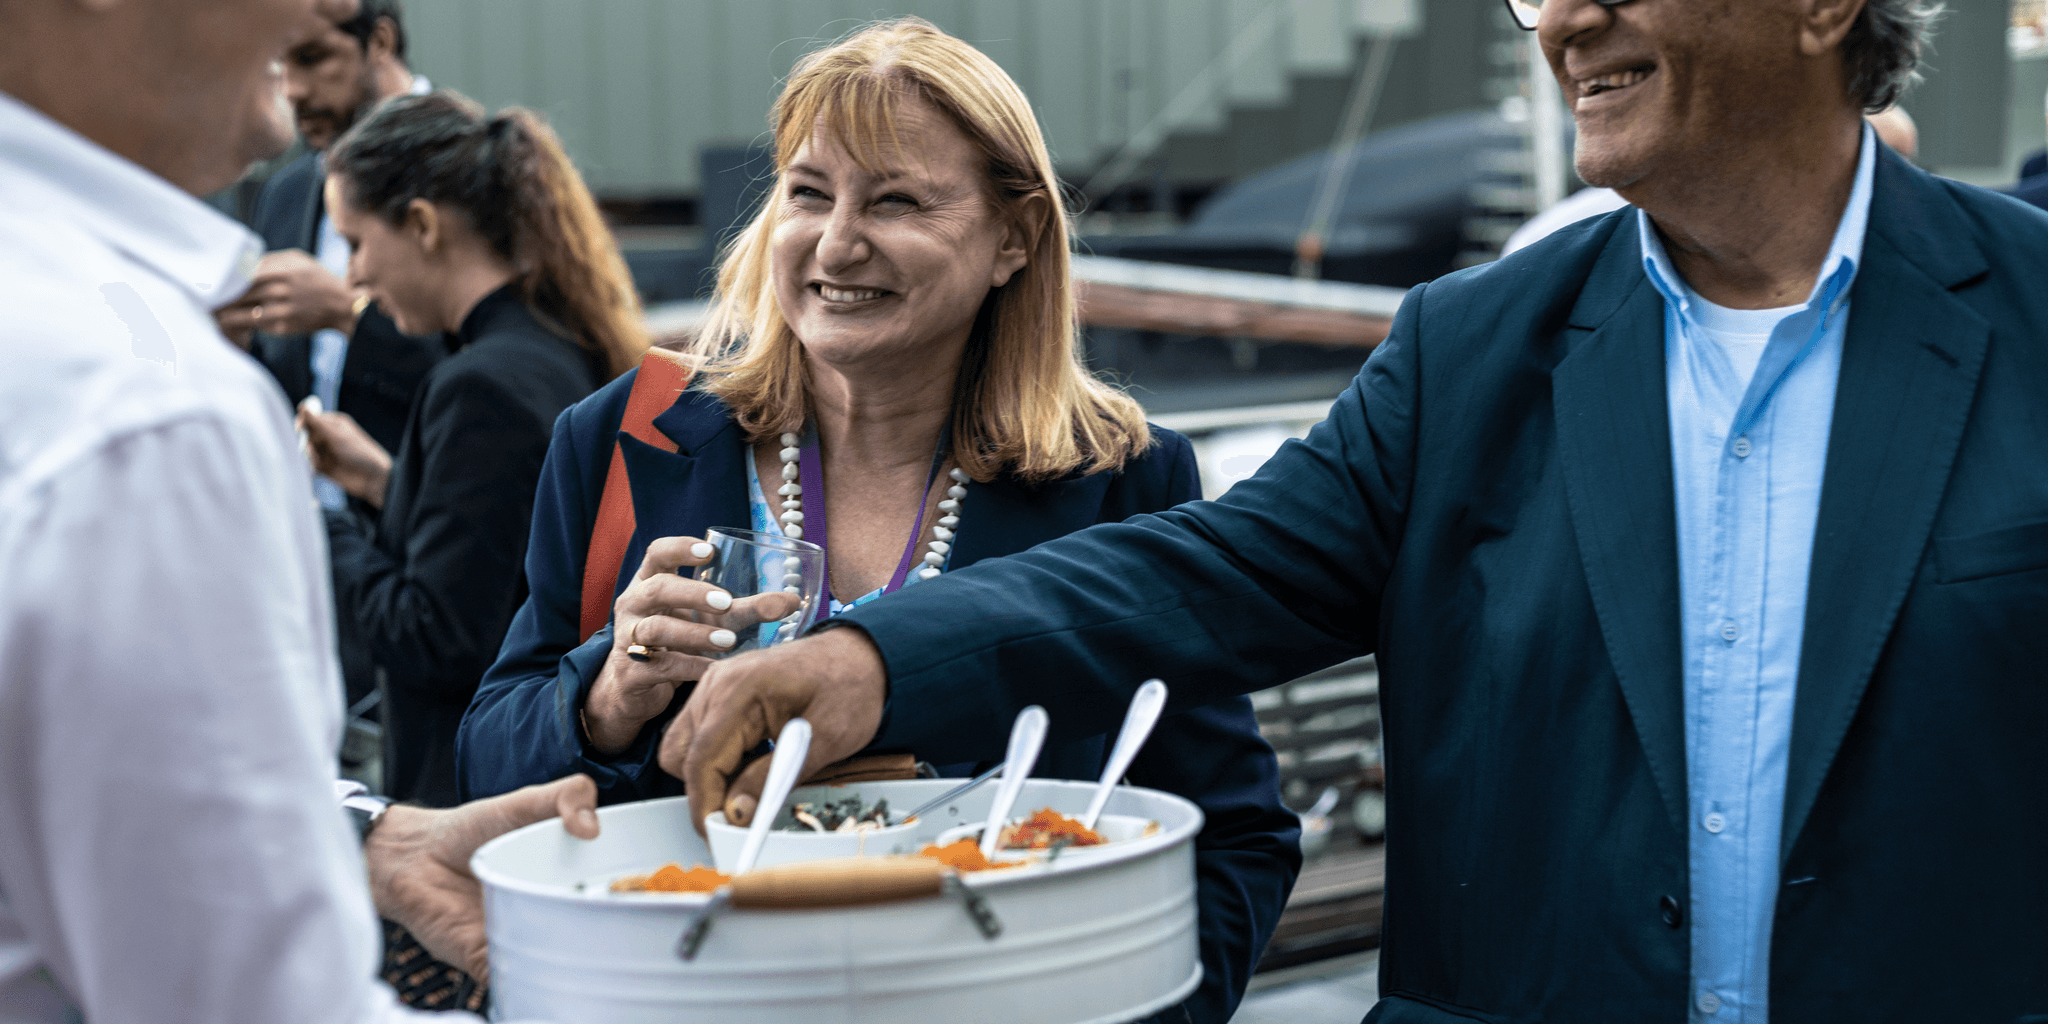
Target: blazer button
(1668, 909)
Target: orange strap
(661, 379)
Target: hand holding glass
(775, 583)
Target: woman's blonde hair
(1023, 403)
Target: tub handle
(845, 882)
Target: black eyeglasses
(1527, 11)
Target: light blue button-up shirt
(1748, 450)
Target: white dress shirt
(170, 849)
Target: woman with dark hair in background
(481, 228)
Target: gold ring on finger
(634, 649)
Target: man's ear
(383, 42)
(1020, 238)
(1823, 24)
(423, 225)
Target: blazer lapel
(1003, 517)
(1910, 363)
(701, 486)
(1614, 444)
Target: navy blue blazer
(523, 727)
(1490, 508)
(2032, 190)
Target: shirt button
(1667, 908)
(1710, 1003)
(1714, 823)
(1740, 447)
(1729, 632)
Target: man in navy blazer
(1679, 541)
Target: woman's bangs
(857, 108)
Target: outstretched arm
(1281, 576)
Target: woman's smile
(849, 298)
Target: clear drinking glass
(775, 583)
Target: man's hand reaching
(835, 680)
(290, 294)
(419, 862)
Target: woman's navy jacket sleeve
(523, 726)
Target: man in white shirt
(169, 706)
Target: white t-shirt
(1740, 334)
(170, 848)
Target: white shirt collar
(159, 225)
(1837, 271)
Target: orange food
(672, 878)
(964, 855)
(1047, 827)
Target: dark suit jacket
(523, 726)
(432, 583)
(383, 366)
(1490, 508)
(2031, 190)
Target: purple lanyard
(809, 465)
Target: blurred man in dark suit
(2033, 184)
(317, 336)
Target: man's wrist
(859, 661)
(365, 812)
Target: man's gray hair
(1884, 49)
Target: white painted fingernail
(719, 600)
(723, 638)
(700, 550)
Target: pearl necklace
(943, 529)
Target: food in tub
(672, 878)
(1044, 837)
(962, 855)
(845, 814)
(1046, 829)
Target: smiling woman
(892, 351)
(893, 148)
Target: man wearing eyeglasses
(1703, 546)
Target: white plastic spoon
(1138, 722)
(1027, 735)
(790, 750)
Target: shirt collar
(159, 225)
(1837, 271)
(506, 303)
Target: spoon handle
(1027, 735)
(790, 750)
(952, 794)
(1138, 722)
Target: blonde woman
(891, 371)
